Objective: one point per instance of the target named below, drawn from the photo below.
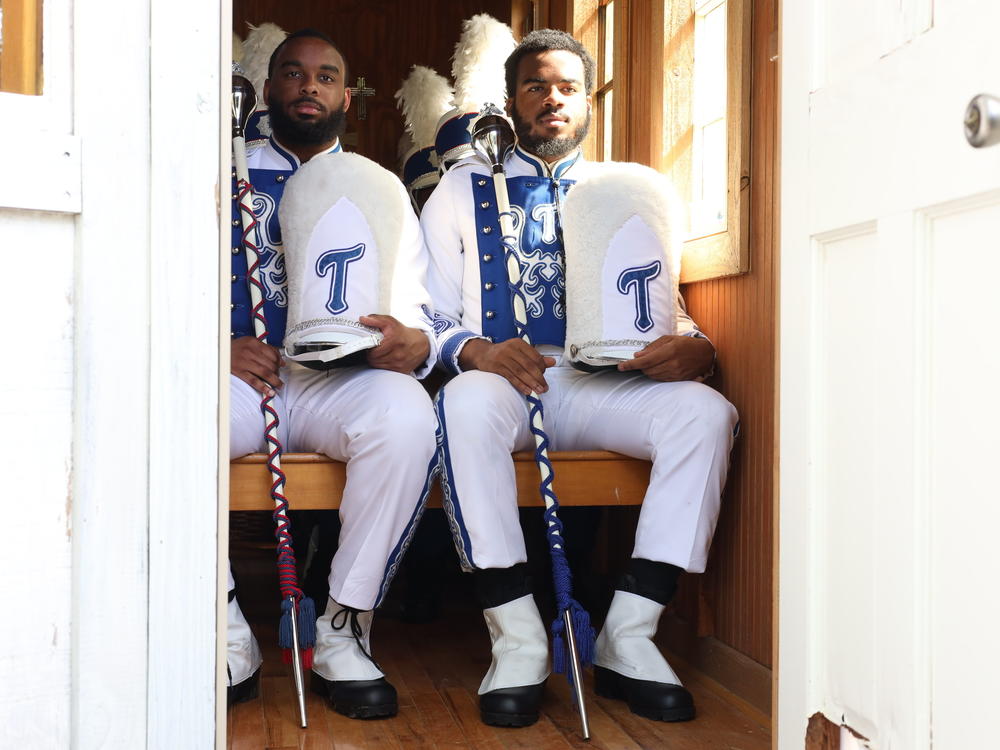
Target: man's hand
(402, 349)
(671, 358)
(513, 359)
(256, 363)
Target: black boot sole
(508, 720)
(244, 691)
(520, 704)
(354, 709)
(610, 684)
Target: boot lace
(348, 616)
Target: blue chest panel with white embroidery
(268, 185)
(535, 203)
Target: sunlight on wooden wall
(21, 46)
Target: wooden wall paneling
(645, 115)
(561, 15)
(380, 39)
(740, 315)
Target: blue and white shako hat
(256, 53)
(477, 68)
(424, 97)
(341, 224)
(622, 234)
(420, 168)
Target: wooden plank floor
(436, 668)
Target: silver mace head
(244, 100)
(492, 136)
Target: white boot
(243, 657)
(629, 666)
(511, 691)
(337, 654)
(343, 669)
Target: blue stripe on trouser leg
(392, 564)
(449, 491)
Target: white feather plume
(237, 47)
(477, 65)
(257, 48)
(424, 96)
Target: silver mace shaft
(244, 103)
(493, 139)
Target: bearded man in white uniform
(652, 407)
(376, 417)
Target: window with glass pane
(21, 46)
(705, 146)
(604, 96)
(709, 168)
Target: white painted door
(40, 197)
(110, 239)
(890, 373)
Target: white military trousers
(382, 425)
(686, 429)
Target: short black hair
(545, 40)
(315, 34)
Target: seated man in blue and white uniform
(650, 406)
(374, 415)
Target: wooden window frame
(727, 253)
(653, 63)
(603, 87)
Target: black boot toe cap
(358, 699)
(511, 707)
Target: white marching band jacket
(468, 279)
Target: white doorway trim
(148, 90)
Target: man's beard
(314, 132)
(544, 147)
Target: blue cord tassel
(560, 653)
(307, 623)
(285, 625)
(584, 633)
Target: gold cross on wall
(362, 91)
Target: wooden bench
(315, 482)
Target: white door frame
(148, 464)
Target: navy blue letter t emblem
(338, 260)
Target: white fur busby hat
(478, 71)
(341, 230)
(622, 243)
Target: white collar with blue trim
(291, 159)
(543, 168)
